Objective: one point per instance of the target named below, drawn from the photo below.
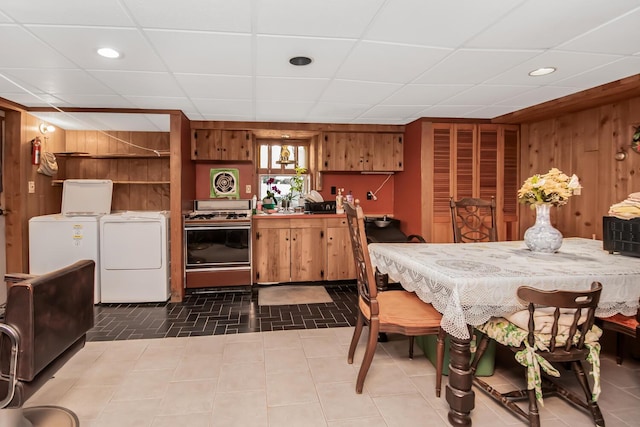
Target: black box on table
(621, 235)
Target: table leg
(459, 394)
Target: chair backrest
(583, 302)
(365, 276)
(473, 220)
(47, 317)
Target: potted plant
(269, 201)
(296, 186)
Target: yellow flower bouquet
(553, 188)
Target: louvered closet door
(464, 167)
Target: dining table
(470, 283)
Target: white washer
(58, 240)
(134, 257)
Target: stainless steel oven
(217, 244)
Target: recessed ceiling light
(542, 71)
(300, 60)
(107, 52)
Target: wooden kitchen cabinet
(340, 263)
(301, 249)
(222, 145)
(361, 152)
(307, 250)
(272, 251)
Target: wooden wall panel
(584, 143)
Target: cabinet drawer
(336, 222)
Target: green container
(485, 367)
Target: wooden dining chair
(393, 311)
(557, 327)
(473, 220)
(622, 325)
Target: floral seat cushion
(509, 334)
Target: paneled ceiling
(373, 61)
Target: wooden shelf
(112, 156)
(58, 182)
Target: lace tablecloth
(470, 283)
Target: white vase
(542, 236)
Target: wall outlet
(369, 195)
(32, 186)
(247, 188)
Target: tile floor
(294, 378)
(222, 360)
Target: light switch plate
(247, 188)
(32, 187)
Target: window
(271, 166)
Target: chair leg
(480, 349)
(372, 341)
(356, 337)
(439, 360)
(619, 347)
(534, 414)
(593, 406)
(411, 341)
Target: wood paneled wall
(134, 177)
(584, 143)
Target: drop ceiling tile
(346, 111)
(210, 15)
(26, 51)
(127, 122)
(538, 96)
(282, 111)
(61, 81)
(491, 111)
(139, 83)
(393, 111)
(289, 89)
(226, 117)
(66, 12)
(446, 111)
(274, 52)
(330, 18)
(382, 62)
(438, 24)
(486, 94)
(419, 94)
(468, 66)
(619, 36)
(80, 44)
(161, 121)
(345, 91)
(4, 18)
(208, 107)
(160, 102)
(567, 64)
(32, 100)
(204, 53)
(625, 67)
(544, 24)
(216, 86)
(96, 101)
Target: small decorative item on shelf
(269, 202)
(541, 192)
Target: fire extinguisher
(36, 150)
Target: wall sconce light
(620, 155)
(45, 128)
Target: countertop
(261, 216)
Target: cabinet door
(342, 151)
(272, 255)
(307, 254)
(236, 145)
(205, 144)
(340, 263)
(386, 153)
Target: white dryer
(134, 257)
